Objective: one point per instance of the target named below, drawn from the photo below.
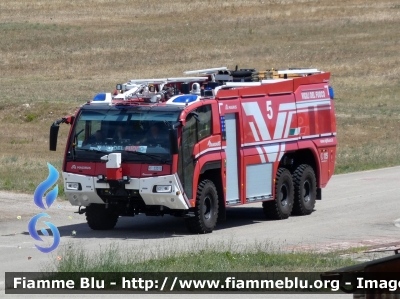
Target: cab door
(186, 159)
(198, 127)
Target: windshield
(140, 135)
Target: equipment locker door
(232, 178)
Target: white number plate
(155, 168)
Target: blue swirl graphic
(44, 186)
(33, 232)
(44, 232)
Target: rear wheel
(305, 190)
(282, 206)
(206, 209)
(100, 218)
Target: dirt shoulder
(19, 204)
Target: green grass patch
(254, 258)
(35, 172)
(31, 117)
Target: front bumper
(175, 200)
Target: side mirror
(173, 142)
(54, 135)
(177, 125)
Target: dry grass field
(55, 55)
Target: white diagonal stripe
(280, 124)
(254, 131)
(287, 106)
(253, 109)
(260, 152)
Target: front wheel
(100, 218)
(206, 209)
(282, 206)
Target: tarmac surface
(357, 209)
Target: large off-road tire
(100, 218)
(206, 209)
(305, 190)
(282, 206)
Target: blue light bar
(99, 97)
(185, 99)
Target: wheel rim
(306, 191)
(283, 195)
(207, 208)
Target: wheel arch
(308, 155)
(212, 170)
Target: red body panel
(84, 168)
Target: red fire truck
(193, 146)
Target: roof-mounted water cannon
(156, 98)
(119, 88)
(195, 89)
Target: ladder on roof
(206, 71)
(259, 78)
(224, 74)
(167, 80)
(298, 71)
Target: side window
(85, 131)
(204, 125)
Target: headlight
(74, 186)
(162, 189)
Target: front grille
(120, 194)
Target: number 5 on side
(269, 110)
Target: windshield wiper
(154, 157)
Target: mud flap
(319, 193)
